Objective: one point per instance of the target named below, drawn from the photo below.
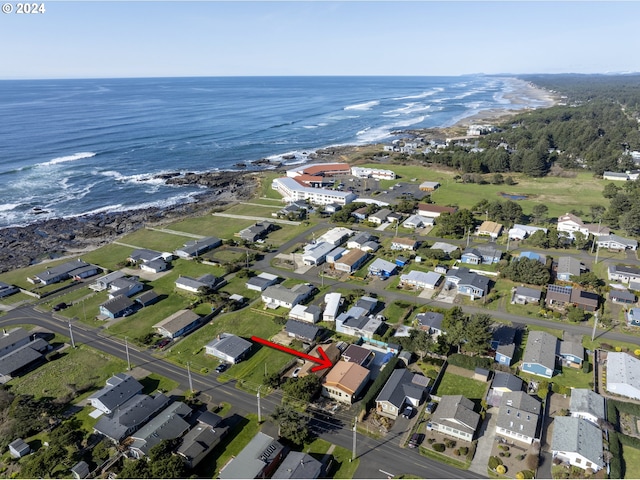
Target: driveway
(486, 437)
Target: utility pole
(353, 453)
(84, 311)
(595, 324)
(468, 235)
(189, 375)
(73, 343)
(259, 410)
(597, 252)
(508, 240)
(126, 347)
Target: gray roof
(361, 238)
(22, 357)
(572, 434)
(298, 465)
(144, 254)
(198, 440)
(503, 334)
(81, 469)
(147, 297)
(118, 304)
(177, 321)
(284, 294)
(519, 413)
(629, 242)
(430, 319)
(356, 354)
(467, 277)
(459, 408)
(368, 303)
(130, 416)
(120, 388)
(623, 369)
(263, 280)
(587, 401)
(399, 387)
(529, 292)
(249, 463)
(206, 280)
(542, 348)
(64, 269)
(381, 214)
(506, 380)
(508, 350)
(168, 424)
(448, 248)
(572, 348)
(569, 265)
(302, 329)
(379, 264)
(194, 247)
(625, 295)
(231, 345)
(13, 336)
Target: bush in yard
(501, 469)
(456, 452)
(431, 440)
(439, 447)
(532, 462)
(464, 450)
(494, 462)
(521, 457)
(449, 443)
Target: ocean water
(71, 147)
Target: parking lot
(370, 188)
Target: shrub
(494, 462)
(431, 440)
(456, 452)
(464, 450)
(470, 363)
(519, 476)
(501, 469)
(636, 352)
(439, 447)
(618, 349)
(521, 457)
(586, 366)
(449, 443)
(532, 462)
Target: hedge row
(470, 363)
(616, 464)
(378, 383)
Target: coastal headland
(42, 240)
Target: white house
(305, 313)
(336, 236)
(520, 232)
(622, 378)
(229, 348)
(379, 173)
(332, 304)
(570, 223)
(577, 442)
(292, 191)
(587, 404)
(455, 417)
(316, 253)
(417, 221)
(616, 242)
(279, 296)
(519, 416)
(418, 279)
(120, 388)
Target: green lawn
(238, 285)
(317, 448)
(251, 371)
(69, 297)
(110, 256)
(17, 298)
(265, 182)
(287, 232)
(155, 382)
(631, 461)
(254, 210)
(86, 311)
(452, 384)
(574, 377)
(154, 240)
(395, 312)
(224, 255)
(19, 277)
(81, 369)
(209, 225)
(342, 467)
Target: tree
(539, 213)
(170, 466)
(581, 240)
(292, 425)
(527, 270)
(302, 389)
(454, 324)
(597, 211)
(587, 279)
(538, 239)
(478, 333)
(575, 314)
(610, 190)
(418, 341)
(630, 220)
(135, 469)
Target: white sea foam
(363, 106)
(4, 207)
(428, 93)
(410, 108)
(147, 178)
(69, 158)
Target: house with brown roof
(402, 243)
(331, 351)
(351, 261)
(434, 211)
(491, 229)
(345, 381)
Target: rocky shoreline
(54, 238)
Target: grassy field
(154, 382)
(254, 210)
(574, 378)
(342, 467)
(109, 256)
(631, 461)
(19, 277)
(452, 384)
(265, 189)
(80, 368)
(209, 225)
(160, 241)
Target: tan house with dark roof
(345, 381)
(351, 261)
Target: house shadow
(210, 465)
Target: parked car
(222, 367)
(431, 407)
(60, 306)
(296, 372)
(164, 342)
(416, 439)
(407, 412)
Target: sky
(95, 39)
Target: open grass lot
(265, 189)
(631, 461)
(160, 241)
(452, 384)
(81, 367)
(87, 310)
(254, 210)
(154, 382)
(287, 232)
(238, 285)
(250, 372)
(16, 298)
(109, 256)
(394, 311)
(209, 225)
(574, 378)
(69, 297)
(224, 255)
(342, 467)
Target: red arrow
(323, 360)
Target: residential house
(615, 176)
(334, 255)
(399, 243)
(104, 282)
(622, 377)
(360, 213)
(503, 382)
(540, 354)
(168, 424)
(447, 248)
(586, 300)
(532, 256)
(359, 239)
(401, 261)
(198, 442)
(22, 359)
(127, 286)
(616, 242)
(302, 331)
(417, 221)
(280, 296)
(64, 271)
(623, 273)
(332, 208)
(455, 417)
(482, 254)
(130, 416)
(587, 404)
(155, 266)
(394, 217)
(259, 459)
(429, 186)
(143, 255)
(371, 246)
(523, 295)
(197, 285)
(120, 388)
(520, 232)
(490, 229)
(382, 268)
(351, 261)
(434, 211)
(519, 417)
(19, 448)
(330, 350)
(13, 339)
(380, 216)
(622, 296)
(568, 267)
(260, 282)
(369, 304)
(502, 334)
(305, 313)
(356, 354)
(147, 298)
(255, 232)
(571, 353)
(194, 248)
(298, 465)
(6, 289)
(570, 223)
(357, 323)
(178, 324)
(116, 307)
(345, 381)
(505, 353)
(633, 317)
(332, 305)
(578, 443)
(80, 470)
(228, 348)
(419, 280)
(316, 253)
(336, 236)
(468, 283)
(431, 322)
(403, 387)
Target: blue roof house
(540, 354)
(481, 254)
(382, 268)
(633, 317)
(505, 354)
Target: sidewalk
(486, 437)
